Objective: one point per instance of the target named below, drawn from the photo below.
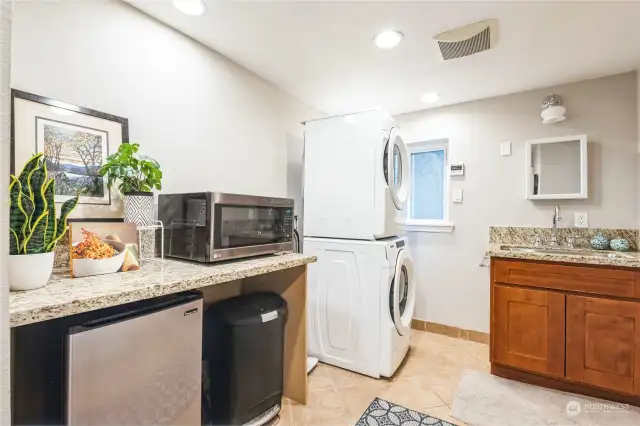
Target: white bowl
(87, 267)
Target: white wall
(453, 289)
(210, 123)
(5, 107)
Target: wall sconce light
(552, 110)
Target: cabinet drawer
(610, 282)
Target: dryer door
(403, 293)
(396, 169)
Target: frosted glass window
(427, 185)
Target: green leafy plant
(33, 227)
(134, 172)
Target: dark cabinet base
(561, 385)
(37, 373)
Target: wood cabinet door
(527, 329)
(603, 343)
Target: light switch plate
(505, 149)
(581, 219)
(457, 195)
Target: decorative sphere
(600, 242)
(620, 244)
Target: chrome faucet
(556, 218)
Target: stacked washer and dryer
(361, 292)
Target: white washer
(356, 176)
(361, 302)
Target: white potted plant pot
(29, 271)
(32, 241)
(138, 208)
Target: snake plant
(33, 227)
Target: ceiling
(322, 52)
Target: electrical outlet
(581, 219)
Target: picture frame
(87, 258)
(76, 141)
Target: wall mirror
(557, 168)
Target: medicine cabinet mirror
(557, 168)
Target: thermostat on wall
(456, 169)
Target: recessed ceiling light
(190, 7)
(429, 98)
(388, 39)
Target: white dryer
(356, 176)
(361, 299)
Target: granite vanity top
(627, 260)
(64, 296)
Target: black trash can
(243, 351)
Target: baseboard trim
(447, 330)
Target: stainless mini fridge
(141, 367)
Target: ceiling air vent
(468, 40)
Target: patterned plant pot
(138, 208)
(620, 244)
(600, 242)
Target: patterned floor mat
(385, 413)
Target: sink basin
(567, 251)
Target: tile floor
(425, 382)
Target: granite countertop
(630, 259)
(64, 296)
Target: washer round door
(402, 296)
(396, 169)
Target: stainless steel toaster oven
(213, 226)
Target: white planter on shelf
(138, 208)
(29, 271)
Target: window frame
(430, 225)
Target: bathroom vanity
(567, 320)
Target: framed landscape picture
(76, 142)
(74, 155)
